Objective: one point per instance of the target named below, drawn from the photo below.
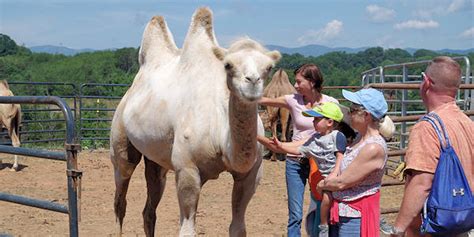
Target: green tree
(7, 46)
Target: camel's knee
(188, 185)
(15, 140)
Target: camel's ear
(275, 55)
(219, 52)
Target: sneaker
(323, 230)
(385, 227)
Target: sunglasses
(356, 108)
(425, 77)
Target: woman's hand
(319, 187)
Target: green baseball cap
(328, 110)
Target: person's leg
(296, 175)
(324, 213)
(313, 218)
(349, 227)
(325, 205)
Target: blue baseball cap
(372, 100)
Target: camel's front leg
(188, 186)
(15, 144)
(244, 188)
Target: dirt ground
(46, 179)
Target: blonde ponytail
(386, 128)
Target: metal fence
(405, 100)
(69, 156)
(93, 104)
(97, 106)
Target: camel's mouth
(251, 92)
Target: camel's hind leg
(274, 134)
(12, 132)
(155, 182)
(284, 117)
(245, 186)
(125, 157)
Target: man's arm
(417, 188)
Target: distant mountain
(307, 50)
(314, 50)
(51, 49)
(456, 51)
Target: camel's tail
(157, 45)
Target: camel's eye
(228, 66)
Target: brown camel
(10, 117)
(279, 85)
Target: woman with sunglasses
(309, 83)
(355, 190)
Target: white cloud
(469, 33)
(330, 31)
(380, 14)
(442, 8)
(416, 24)
(455, 5)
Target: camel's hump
(279, 85)
(157, 44)
(200, 39)
(202, 18)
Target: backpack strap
(443, 128)
(440, 130)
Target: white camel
(10, 117)
(193, 111)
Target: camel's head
(247, 64)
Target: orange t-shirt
(424, 147)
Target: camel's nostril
(253, 79)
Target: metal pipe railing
(70, 156)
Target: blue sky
(102, 24)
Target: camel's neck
(243, 132)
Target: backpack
(449, 208)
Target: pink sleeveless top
(302, 126)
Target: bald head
(445, 73)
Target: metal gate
(69, 156)
(40, 119)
